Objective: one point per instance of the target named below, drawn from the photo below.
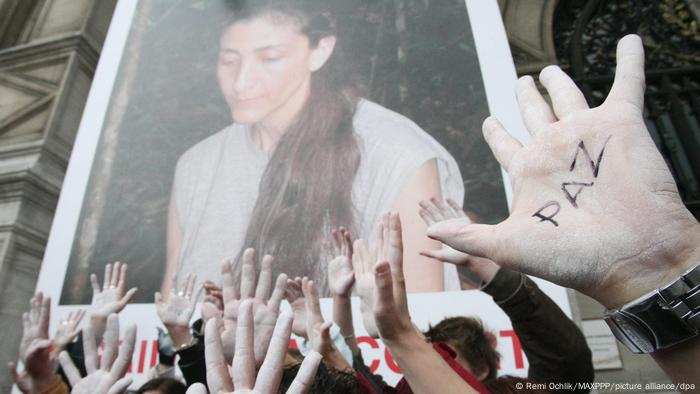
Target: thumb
(326, 332)
(127, 297)
(462, 235)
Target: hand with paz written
(594, 207)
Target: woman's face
(264, 70)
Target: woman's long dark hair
(306, 187)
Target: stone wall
(48, 54)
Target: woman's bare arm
(422, 274)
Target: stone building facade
(48, 53)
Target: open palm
(591, 193)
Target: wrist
(631, 281)
(485, 269)
(180, 335)
(45, 383)
(407, 341)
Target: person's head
(327, 380)
(287, 71)
(162, 386)
(474, 345)
(268, 52)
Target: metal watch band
(662, 318)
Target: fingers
(395, 244)
(120, 386)
(379, 247)
(437, 255)
(218, 378)
(293, 290)
(629, 81)
(313, 304)
(95, 284)
(456, 207)
(89, 349)
(384, 288)
(502, 144)
(262, 291)
(244, 356)
(462, 235)
(45, 316)
(337, 242)
(248, 274)
(198, 388)
(306, 374)
(108, 277)
(126, 351)
(189, 289)
(358, 266)
(536, 113)
(429, 212)
(119, 276)
(111, 340)
(78, 317)
(126, 299)
(326, 332)
(566, 96)
(278, 293)
(158, 298)
(347, 241)
(69, 368)
(270, 372)
(229, 291)
(195, 299)
(12, 370)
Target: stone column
(48, 54)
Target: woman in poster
(304, 154)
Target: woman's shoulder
(207, 148)
(380, 128)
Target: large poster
(208, 131)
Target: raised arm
(594, 205)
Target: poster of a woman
(265, 124)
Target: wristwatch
(662, 318)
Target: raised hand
(107, 375)
(39, 368)
(295, 296)
(34, 348)
(341, 276)
(265, 306)
(479, 268)
(244, 365)
(362, 264)
(111, 298)
(35, 323)
(594, 206)
(67, 330)
(176, 311)
(316, 327)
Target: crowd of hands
(629, 235)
